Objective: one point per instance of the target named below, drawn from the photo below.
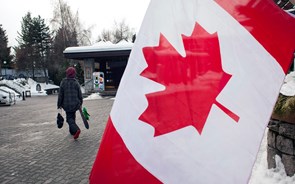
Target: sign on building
(98, 81)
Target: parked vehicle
(7, 98)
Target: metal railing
(88, 88)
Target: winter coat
(70, 95)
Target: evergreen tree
(4, 49)
(25, 58)
(57, 68)
(24, 50)
(42, 43)
(59, 62)
(79, 73)
(34, 45)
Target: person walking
(70, 99)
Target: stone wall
(281, 142)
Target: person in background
(70, 99)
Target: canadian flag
(197, 93)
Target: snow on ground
(18, 86)
(288, 88)
(33, 87)
(95, 96)
(262, 175)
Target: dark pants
(71, 119)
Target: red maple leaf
(192, 83)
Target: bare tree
(120, 31)
(106, 35)
(85, 36)
(69, 22)
(69, 31)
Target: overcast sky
(97, 13)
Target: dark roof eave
(85, 55)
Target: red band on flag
(115, 164)
(256, 23)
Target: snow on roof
(101, 46)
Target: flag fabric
(197, 94)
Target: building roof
(100, 49)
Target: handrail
(87, 88)
(86, 82)
(5, 85)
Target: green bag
(85, 113)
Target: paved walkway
(33, 150)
